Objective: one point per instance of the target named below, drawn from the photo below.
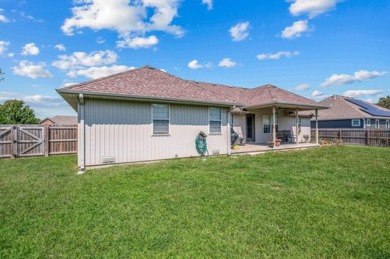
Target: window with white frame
(267, 123)
(356, 123)
(377, 124)
(160, 118)
(215, 120)
(387, 124)
(368, 122)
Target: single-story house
(350, 113)
(59, 120)
(147, 114)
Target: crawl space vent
(108, 160)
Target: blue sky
(315, 48)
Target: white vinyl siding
(356, 123)
(160, 119)
(123, 132)
(215, 120)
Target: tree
(384, 102)
(16, 112)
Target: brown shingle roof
(153, 83)
(150, 82)
(340, 108)
(269, 94)
(63, 120)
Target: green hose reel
(201, 143)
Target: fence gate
(29, 141)
(6, 141)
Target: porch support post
(274, 126)
(296, 126)
(316, 114)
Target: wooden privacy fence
(355, 136)
(37, 140)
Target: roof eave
(71, 96)
(288, 105)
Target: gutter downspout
(81, 135)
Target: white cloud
(278, 55)
(68, 84)
(41, 98)
(209, 4)
(128, 18)
(370, 100)
(302, 87)
(227, 62)
(359, 76)
(295, 30)
(97, 72)
(311, 7)
(82, 59)
(4, 46)
(357, 93)
(30, 17)
(30, 49)
(29, 69)
(60, 47)
(239, 31)
(43, 105)
(2, 17)
(138, 42)
(194, 64)
(317, 94)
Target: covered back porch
(274, 126)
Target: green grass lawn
(331, 201)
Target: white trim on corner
(387, 124)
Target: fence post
(367, 137)
(340, 138)
(46, 134)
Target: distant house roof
(154, 84)
(62, 120)
(342, 107)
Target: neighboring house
(59, 120)
(350, 113)
(147, 114)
